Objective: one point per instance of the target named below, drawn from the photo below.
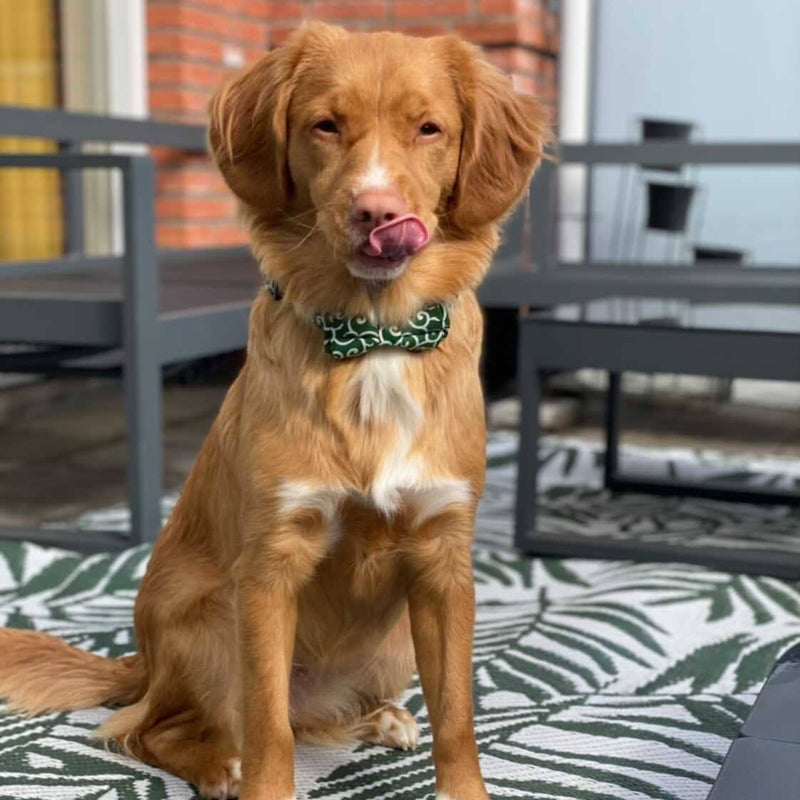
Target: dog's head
(366, 151)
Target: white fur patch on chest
(380, 392)
(382, 398)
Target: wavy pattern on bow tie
(350, 337)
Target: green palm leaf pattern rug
(593, 680)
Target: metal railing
(544, 279)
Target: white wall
(733, 66)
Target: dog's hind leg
(183, 745)
(213, 767)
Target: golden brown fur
(323, 536)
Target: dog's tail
(40, 674)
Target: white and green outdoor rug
(594, 680)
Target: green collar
(350, 337)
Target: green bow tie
(350, 337)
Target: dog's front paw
(221, 781)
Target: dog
(321, 548)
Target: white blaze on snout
(376, 176)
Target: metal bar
(780, 564)
(591, 113)
(543, 198)
(42, 360)
(60, 320)
(64, 160)
(581, 283)
(529, 380)
(675, 154)
(80, 539)
(682, 351)
(81, 263)
(719, 490)
(71, 263)
(611, 457)
(61, 125)
(199, 255)
(142, 370)
(72, 194)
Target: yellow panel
(31, 224)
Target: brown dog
(321, 547)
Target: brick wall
(194, 44)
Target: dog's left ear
(501, 142)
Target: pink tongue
(398, 239)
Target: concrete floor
(63, 457)
(63, 451)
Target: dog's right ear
(248, 129)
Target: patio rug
(593, 680)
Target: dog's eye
(326, 126)
(429, 129)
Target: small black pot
(665, 129)
(668, 206)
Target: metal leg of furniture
(142, 370)
(615, 481)
(611, 459)
(72, 191)
(530, 389)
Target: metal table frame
(547, 344)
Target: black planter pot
(668, 206)
(653, 129)
(665, 129)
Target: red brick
(489, 32)
(231, 7)
(278, 35)
(250, 32)
(188, 180)
(187, 18)
(179, 100)
(184, 44)
(497, 7)
(256, 8)
(425, 30)
(195, 208)
(405, 9)
(285, 10)
(184, 74)
(193, 235)
(349, 9)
